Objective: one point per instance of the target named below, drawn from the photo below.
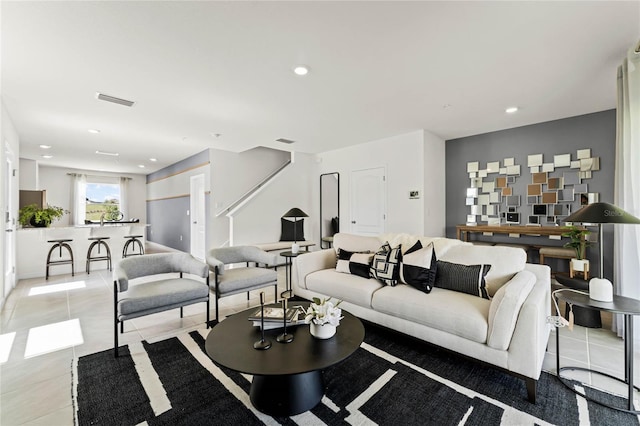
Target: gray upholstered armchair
(157, 295)
(246, 278)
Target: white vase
(295, 248)
(324, 331)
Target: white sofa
(510, 331)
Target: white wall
(29, 174)
(232, 175)
(297, 186)
(58, 184)
(434, 193)
(10, 141)
(405, 159)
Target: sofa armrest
(311, 262)
(531, 335)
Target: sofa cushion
(350, 288)
(418, 267)
(505, 307)
(355, 243)
(505, 261)
(385, 265)
(452, 312)
(468, 279)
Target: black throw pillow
(288, 228)
(385, 265)
(465, 279)
(419, 266)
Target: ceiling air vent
(283, 140)
(114, 100)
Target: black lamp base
(262, 345)
(285, 338)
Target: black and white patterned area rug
(391, 380)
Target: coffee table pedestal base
(283, 396)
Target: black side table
(289, 255)
(621, 305)
(582, 316)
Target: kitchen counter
(32, 246)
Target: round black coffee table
(287, 378)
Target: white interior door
(10, 225)
(198, 219)
(368, 201)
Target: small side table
(621, 305)
(289, 255)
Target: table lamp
(601, 289)
(295, 213)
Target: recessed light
(47, 156)
(112, 154)
(511, 110)
(153, 159)
(94, 131)
(45, 146)
(141, 166)
(301, 69)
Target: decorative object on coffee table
(287, 379)
(295, 213)
(262, 344)
(323, 318)
(602, 213)
(285, 337)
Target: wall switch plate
(414, 194)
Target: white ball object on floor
(601, 289)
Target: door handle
(8, 230)
(353, 221)
(195, 222)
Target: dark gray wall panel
(596, 131)
(194, 160)
(169, 221)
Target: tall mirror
(329, 208)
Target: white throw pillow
(505, 308)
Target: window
(102, 198)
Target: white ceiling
(378, 69)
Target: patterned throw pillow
(386, 264)
(419, 266)
(356, 263)
(465, 279)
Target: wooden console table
(463, 231)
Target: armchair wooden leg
(275, 288)
(181, 312)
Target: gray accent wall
(596, 131)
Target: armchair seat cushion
(167, 292)
(237, 280)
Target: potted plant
(39, 217)
(323, 317)
(578, 242)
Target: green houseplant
(578, 242)
(39, 217)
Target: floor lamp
(295, 213)
(600, 288)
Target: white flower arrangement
(322, 312)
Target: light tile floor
(37, 389)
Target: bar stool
(60, 244)
(134, 242)
(98, 241)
